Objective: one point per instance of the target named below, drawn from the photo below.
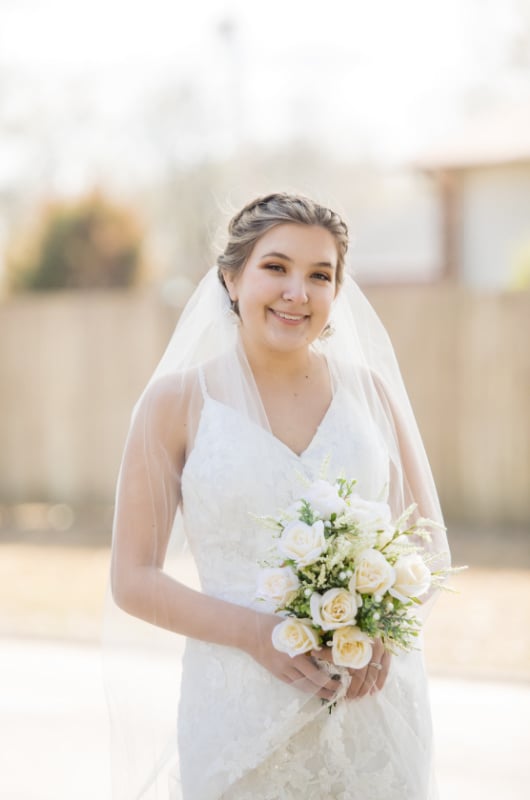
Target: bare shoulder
(169, 409)
(357, 374)
(177, 389)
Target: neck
(278, 365)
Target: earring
(233, 312)
(327, 331)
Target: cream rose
(351, 648)
(303, 543)
(294, 636)
(413, 576)
(324, 498)
(277, 586)
(373, 574)
(334, 609)
(369, 515)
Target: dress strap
(202, 382)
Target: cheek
(327, 298)
(258, 292)
(251, 301)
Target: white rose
(334, 609)
(291, 513)
(324, 498)
(413, 576)
(277, 586)
(369, 515)
(373, 574)
(303, 543)
(294, 636)
(351, 648)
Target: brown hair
(264, 213)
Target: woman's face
(286, 288)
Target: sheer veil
(143, 662)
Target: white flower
(277, 586)
(324, 498)
(334, 609)
(294, 636)
(413, 577)
(303, 543)
(373, 574)
(291, 513)
(351, 648)
(369, 515)
(385, 534)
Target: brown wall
(72, 365)
(465, 358)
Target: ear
(230, 282)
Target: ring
(377, 666)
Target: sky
(115, 83)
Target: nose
(295, 291)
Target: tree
(87, 244)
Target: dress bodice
(237, 471)
(243, 734)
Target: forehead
(299, 242)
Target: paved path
(54, 738)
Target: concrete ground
(53, 721)
(53, 728)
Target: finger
(357, 680)
(295, 678)
(318, 676)
(317, 679)
(324, 654)
(385, 663)
(293, 675)
(324, 692)
(378, 650)
(374, 669)
(370, 678)
(373, 666)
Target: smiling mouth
(289, 317)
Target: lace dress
(243, 734)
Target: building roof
(497, 138)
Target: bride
(278, 369)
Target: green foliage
(87, 244)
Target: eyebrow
(275, 254)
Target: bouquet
(343, 573)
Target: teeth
(289, 316)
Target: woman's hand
(302, 671)
(369, 679)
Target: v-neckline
(270, 433)
(306, 449)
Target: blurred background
(129, 133)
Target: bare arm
(147, 499)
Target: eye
(322, 276)
(275, 267)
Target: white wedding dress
(243, 734)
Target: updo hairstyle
(264, 213)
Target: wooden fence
(72, 365)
